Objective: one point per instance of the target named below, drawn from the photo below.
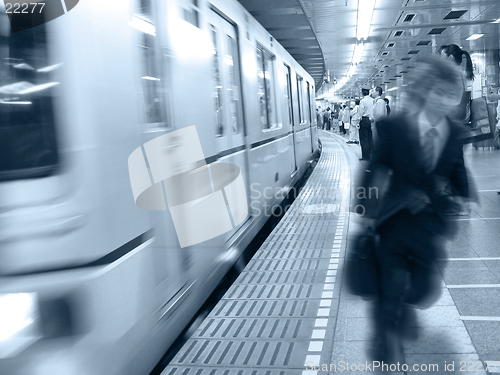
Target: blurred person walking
(418, 151)
(365, 128)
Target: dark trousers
(408, 248)
(365, 137)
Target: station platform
(287, 313)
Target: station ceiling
(318, 32)
(291, 27)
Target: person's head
(386, 101)
(343, 106)
(436, 86)
(365, 92)
(356, 102)
(328, 109)
(455, 54)
(377, 92)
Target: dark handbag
(361, 268)
(479, 128)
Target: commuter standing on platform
(346, 119)
(341, 118)
(387, 106)
(326, 119)
(423, 152)
(354, 128)
(380, 106)
(365, 126)
(461, 112)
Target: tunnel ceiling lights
(365, 14)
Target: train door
(169, 263)
(227, 91)
(290, 114)
(310, 114)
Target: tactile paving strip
(281, 309)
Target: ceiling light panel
(455, 14)
(437, 31)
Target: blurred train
(89, 283)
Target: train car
(89, 283)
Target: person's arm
(379, 110)
(371, 180)
(493, 97)
(372, 113)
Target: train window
(192, 13)
(268, 116)
(28, 138)
(288, 94)
(219, 109)
(151, 93)
(232, 62)
(300, 99)
(309, 102)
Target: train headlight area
(112, 239)
(19, 322)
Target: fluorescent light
(475, 36)
(151, 78)
(36, 88)
(365, 13)
(49, 68)
(351, 70)
(142, 25)
(13, 103)
(392, 89)
(358, 52)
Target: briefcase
(479, 128)
(361, 267)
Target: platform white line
(482, 318)
(467, 259)
(469, 286)
(318, 334)
(493, 366)
(321, 323)
(477, 219)
(325, 303)
(315, 359)
(315, 346)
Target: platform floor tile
(279, 315)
